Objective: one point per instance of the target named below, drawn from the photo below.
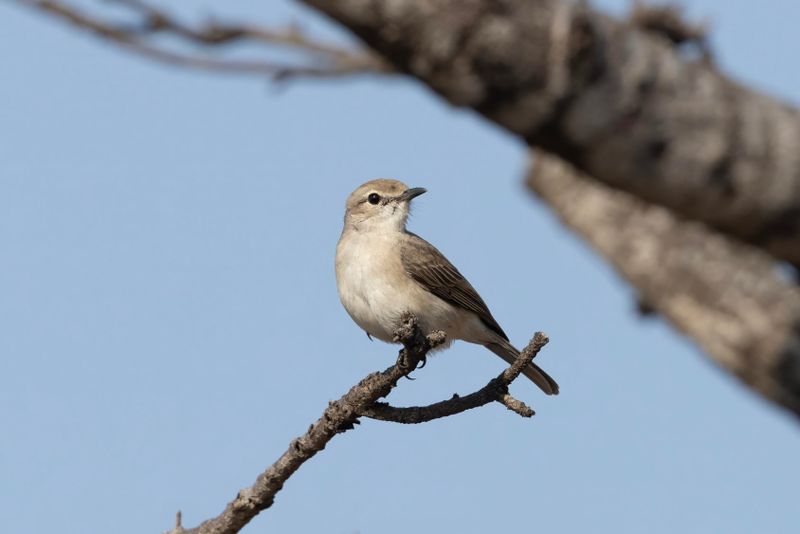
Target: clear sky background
(169, 318)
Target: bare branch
(495, 391)
(516, 406)
(327, 60)
(342, 415)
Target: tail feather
(532, 371)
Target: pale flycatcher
(383, 270)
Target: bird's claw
(404, 363)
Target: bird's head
(380, 204)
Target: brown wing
(425, 264)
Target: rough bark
(727, 296)
(621, 104)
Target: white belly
(375, 290)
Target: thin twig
(327, 60)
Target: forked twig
(342, 415)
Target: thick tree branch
(618, 103)
(343, 414)
(727, 296)
(616, 99)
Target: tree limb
(618, 103)
(727, 296)
(343, 414)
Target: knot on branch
(669, 22)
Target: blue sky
(169, 318)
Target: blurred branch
(327, 60)
(342, 415)
(619, 103)
(727, 296)
(669, 21)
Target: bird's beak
(408, 194)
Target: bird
(383, 271)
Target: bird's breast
(376, 290)
(369, 279)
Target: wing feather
(429, 268)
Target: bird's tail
(505, 350)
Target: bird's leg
(408, 363)
(404, 363)
(402, 359)
(414, 354)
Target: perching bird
(383, 270)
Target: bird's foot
(408, 364)
(403, 360)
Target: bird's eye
(374, 198)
